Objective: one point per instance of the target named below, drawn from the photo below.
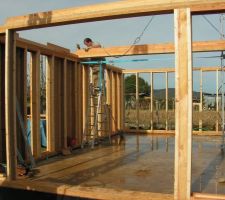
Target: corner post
(183, 94)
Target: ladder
(97, 116)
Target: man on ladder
(97, 112)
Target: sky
(116, 33)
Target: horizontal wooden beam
(166, 48)
(48, 50)
(171, 132)
(82, 192)
(169, 69)
(113, 10)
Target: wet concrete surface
(140, 163)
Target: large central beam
(114, 10)
(203, 46)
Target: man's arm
(96, 45)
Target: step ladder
(97, 126)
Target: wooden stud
(122, 102)
(152, 100)
(166, 100)
(114, 122)
(183, 63)
(217, 100)
(35, 104)
(65, 102)
(2, 105)
(50, 99)
(119, 111)
(109, 97)
(10, 104)
(85, 95)
(137, 101)
(76, 101)
(201, 102)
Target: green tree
(130, 85)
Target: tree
(130, 85)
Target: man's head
(88, 42)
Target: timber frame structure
(64, 71)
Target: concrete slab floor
(141, 163)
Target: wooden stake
(183, 62)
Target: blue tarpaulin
(42, 132)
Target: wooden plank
(109, 97)
(2, 30)
(152, 95)
(58, 48)
(169, 69)
(172, 132)
(113, 68)
(164, 48)
(217, 100)
(10, 104)
(65, 111)
(83, 192)
(114, 120)
(44, 49)
(106, 11)
(201, 102)
(85, 84)
(166, 100)
(137, 101)
(2, 105)
(50, 99)
(118, 90)
(79, 102)
(35, 104)
(122, 101)
(183, 113)
(76, 102)
(208, 196)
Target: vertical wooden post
(114, 126)
(166, 101)
(217, 101)
(2, 105)
(137, 101)
(85, 95)
(65, 98)
(122, 101)
(201, 102)
(79, 114)
(10, 103)
(152, 95)
(183, 72)
(76, 101)
(35, 104)
(109, 97)
(108, 86)
(119, 111)
(50, 99)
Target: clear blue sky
(114, 32)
